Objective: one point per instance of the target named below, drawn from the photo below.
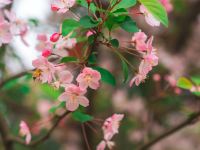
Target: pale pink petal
(83, 101)
(72, 104)
(101, 145)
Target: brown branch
(2, 83)
(192, 119)
(5, 134)
(46, 136)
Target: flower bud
(55, 37)
(46, 53)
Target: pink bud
(55, 37)
(54, 8)
(46, 53)
(89, 1)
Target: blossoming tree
(76, 72)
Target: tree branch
(46, 136)
(187, 122)
(2, 83)
(5, 134)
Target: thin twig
(187, 122)
(46, 136)
(85, 137)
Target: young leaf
(68, 59)
(88, 22)
(129, 25)
(114, 43)
(68, 26)
(184, 83)
(106, 76)
(123, 4)
(156, 9)
(85, 4)
(196, 79)
(81, 117)
(125, 70)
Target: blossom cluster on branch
(68, 52)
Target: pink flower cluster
(150, 58)
(110, 128)
(47, 72)
(10, 25)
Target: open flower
(110, 128)
(62, 6)
(151, 57)
(74, 96)
(138, 40)
(5, 35)
(64, 78)
(150, 19)
(44, 70)
(25, 131)
(89, 78)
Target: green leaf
(92, 59)
(106, 76)
(125, 70)
(123, 4)
(85, 4)
(129, 25)
(88, 22)
(50, 91)
(184, 83)
(81, 117)
(68, 26)
(91, 39)
(196, 79)
(68, 59)
(196, 93)
(114, 43)
(156, 9)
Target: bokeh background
(150, 109)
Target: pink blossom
(63, 43)
(4, 3)
(110, 128)
(25, 131)
(167, 4)
(44, 70)
(74, 96)
(89, 78)
(43, 42)
(151, 57)
(64, 78)
(150, 19)
(137, 79)
(17, 26)
(139, 40)
(62, 6)
(5, 35)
